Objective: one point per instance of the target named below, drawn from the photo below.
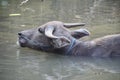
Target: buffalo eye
(41, 30)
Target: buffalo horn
(69, 25)
(49, 32)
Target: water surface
(101, 18)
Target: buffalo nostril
(19, 33)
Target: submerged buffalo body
(55, 37)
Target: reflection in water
(26, 64)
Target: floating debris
(23, 25)
(77, 16)
(23, 2)
(14, 14)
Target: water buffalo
(55, 37)
(35, 38)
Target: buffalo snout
(22, 39)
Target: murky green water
(101, 16)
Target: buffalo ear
(60, 42)
(80, 33)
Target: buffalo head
(50, 36)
